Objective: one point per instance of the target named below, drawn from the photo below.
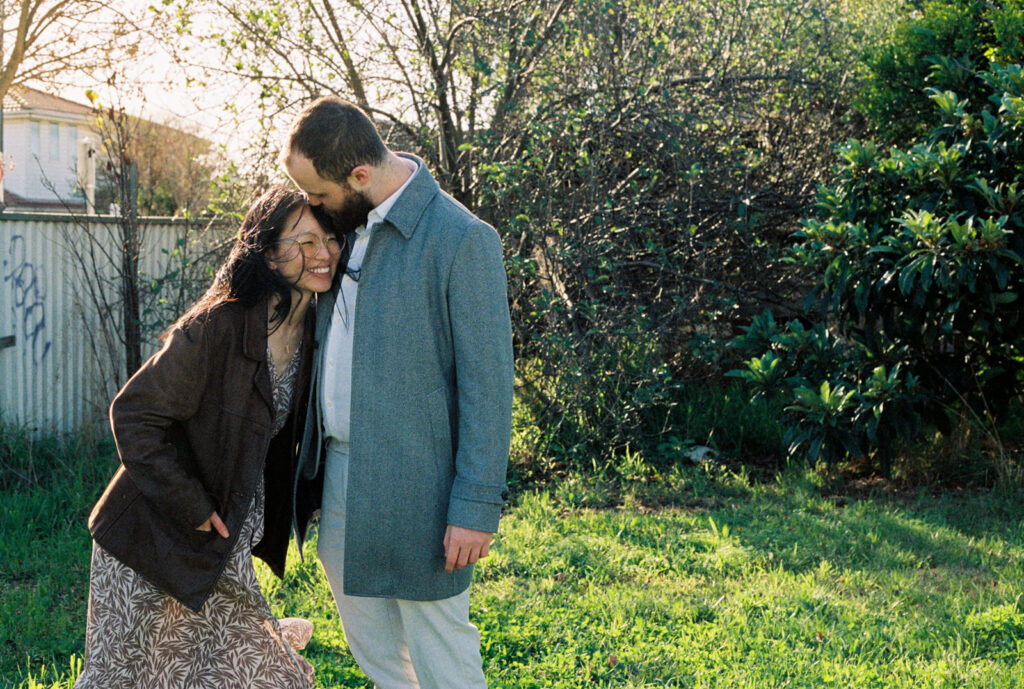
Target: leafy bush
(661, 167)
(963, 36)
(919, 257)
(834, 406)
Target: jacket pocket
(440, 430)
(201, 539)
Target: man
(412, 391)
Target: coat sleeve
(482, 343)
(167, 389)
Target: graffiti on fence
(28, 302)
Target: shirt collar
(380, 212)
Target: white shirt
(336, 385)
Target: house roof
(26, 98)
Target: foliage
(835, 406)
(919, 257)
(727, 584)
(636, 157)
(176, 169)
(961, 36)
(631, 214)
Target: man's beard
(351, 215)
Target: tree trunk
(130, 270)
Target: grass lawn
(692, 578)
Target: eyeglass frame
(318, 242)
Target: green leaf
(907, 276)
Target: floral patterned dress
(138, 637)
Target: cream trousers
(399, 644)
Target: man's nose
(313, 201)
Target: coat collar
(404, 215)
(409, 207)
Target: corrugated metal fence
(56, 374)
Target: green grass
(691, 577)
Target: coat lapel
(324, 306)
(255, 337)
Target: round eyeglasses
(309, 245)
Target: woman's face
(304, 254)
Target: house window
(36, 147)
(72, 144)
(54, 141)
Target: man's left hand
(464, 546)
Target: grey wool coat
(431, 405)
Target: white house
(43, 139)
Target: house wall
(43, 147)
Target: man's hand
(214, 522)
(464, 546)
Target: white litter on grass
(700, 453)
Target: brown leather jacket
(192, 429)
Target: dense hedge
(961, 37)
(918, 253)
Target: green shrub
(919, 261)
(589, 398)
(961, 35)
(833, 406)
(665, 158)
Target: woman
(206, 431)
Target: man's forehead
(298, 164)
(306, 178)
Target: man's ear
(359, 177)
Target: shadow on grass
(799, 529)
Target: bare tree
(176, 168)
(118, 130)
(438, 74)
(51, 40)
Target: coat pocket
(440, 431)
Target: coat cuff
(199, 511)
(476, 505)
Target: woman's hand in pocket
(214, 523)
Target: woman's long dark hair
(246, 275)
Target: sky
(155, 87)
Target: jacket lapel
(324, 306)
(255, 337)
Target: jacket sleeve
(482, 343)
(167, 389)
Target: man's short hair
(337, 137)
